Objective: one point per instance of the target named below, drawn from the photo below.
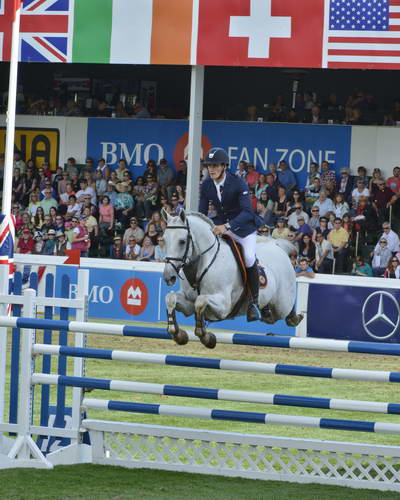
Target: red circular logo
(180, 152)
(134, 296)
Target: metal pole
(11, 109)
(195, 133)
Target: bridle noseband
(189, 266)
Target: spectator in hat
(39, 243)
(49, 247)
(117, 250)
(26, 243)
(48, 201)
(61, 243)
(345, 184)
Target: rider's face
(216, 172)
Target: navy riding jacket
(234, 207)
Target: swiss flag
(284, 33)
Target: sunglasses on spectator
(395, 260)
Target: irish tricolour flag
(132, 31)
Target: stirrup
(253, 313)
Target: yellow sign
(39, 144)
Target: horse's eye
(182, 242)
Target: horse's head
(179, 245)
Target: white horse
(211, 282)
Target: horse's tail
(285, 245)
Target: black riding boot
(253, 313)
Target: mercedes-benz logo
(385, 314)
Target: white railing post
(80, 341)
(25, 451)
(3, 348)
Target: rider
(230, 196)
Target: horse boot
(253, 312)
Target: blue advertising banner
(137, 141)
(140, 296)
(353, 313)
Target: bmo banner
(123, 295)
(137, 141)
(354, 313)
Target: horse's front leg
(218, 306)
(177, 301)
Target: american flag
(7, 236)
(362, 34)
(44, 30)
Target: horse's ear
(164, 215)
(182, 215)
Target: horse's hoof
(209, 340)
(181, 338)
(294, 320)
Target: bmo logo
(134, 296)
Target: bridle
(189, 267)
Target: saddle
(237, 252)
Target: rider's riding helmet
(216, 156)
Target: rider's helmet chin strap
(220, 177)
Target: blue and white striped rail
(224, 338)
(219, 364)
(218, 394)
(242, 416)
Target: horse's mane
(202, 217)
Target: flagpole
(11, 111)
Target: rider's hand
(218, 230)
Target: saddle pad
(262, 278)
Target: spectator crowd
(346, 224)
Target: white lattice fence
(249, 456)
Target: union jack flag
(7, 236)
(44, 30)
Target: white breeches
(249, 247)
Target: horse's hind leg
(176, 300)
